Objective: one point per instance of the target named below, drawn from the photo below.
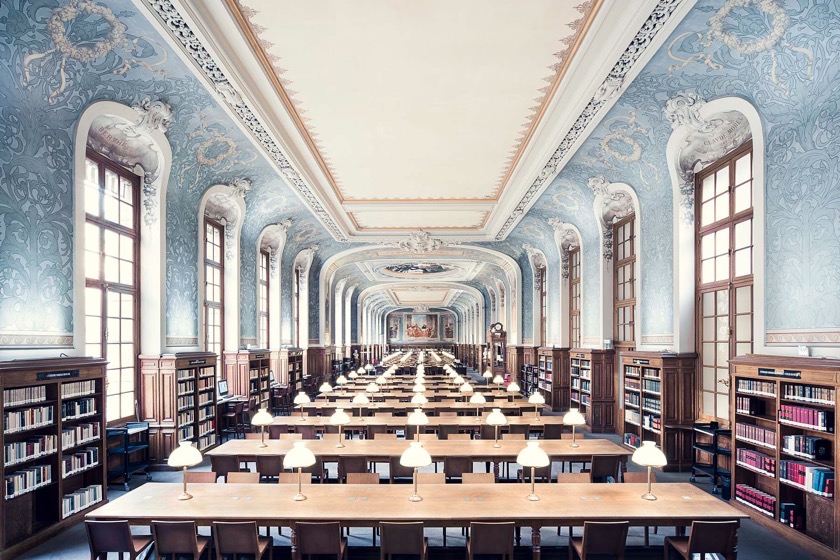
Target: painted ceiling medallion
(420, 242)
(419, 269)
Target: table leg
(294, 543)
(496, 469)
(535, 542)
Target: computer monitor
(223, 388)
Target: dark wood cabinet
(592, 387)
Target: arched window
(214, 286)
(264, 280)
(112, 263)
(624, 243)
(543, 306)
(724, 252)
(574, 296)
(296, 307)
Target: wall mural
(421, 327)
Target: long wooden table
(327, 407)
(452, 505)
(399, 422)
(431, 395)
(383, 450)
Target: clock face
(496, 327)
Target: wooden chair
(362, 478)
(431, 478)
(460, 437)
(230, 420)
(428, 437)
(178, 538)
(253, 435)
(243, 478)
(320, 539)
(240, 537)
(306, 431)
(515, 437)
(292, 478)
(524, 429)
(455, 467)
(225, 464)
(552, 431)
(397, 471)
(490, 538)
(201, 477)
(289, 436)
(600, 539)
(706, 537)
(351, 465)
(403, 539)
(269, 466)
(478, 478)
(114, 536)
(277, 430)
(640, 477)
(447, 413)
(604, 467)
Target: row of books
(809, 446)
(78, 409)
(633, 440)
(80, 460)
(755, 433)
(24, 395)
(652, 422)
(750, 405)
(652, 386)
(633, 417)
(632, 371)
(27, 480)
(634, 384)
(651, 373)
(632, 398)
(586, 385)
(185, 401)
(206, 441)
(20, 451)
(186, 417)
(209, 371)
(186, 432)
(824, 395)
(584, 399)
(186, 387)
(184, 374)
(813, 478)
(757, 386)
(207, 412)
(78, 388)
(652, 404)
(27, 419)
(792, 515)
(761, 500)
(79, 434)
(817, 419)
(205, 398)
(206, 383)
(757, 460)
(206, 427)
(80, 499)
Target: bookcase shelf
(784, 411)
(295, 364)
(657, 391)
(592, 387)
(41, 495)
(259, 384)
(550, 377)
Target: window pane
(708, 403)
(708, 188)
(722, 268)
(722, 207)
(708, 304)
(743, 299)
(722, 180)
(723, 405)
(708, 213)
(722, 297)
(743, 197)
(743, 262)
(743, 168)
(743, 327)
(709, 378)
(743, 234)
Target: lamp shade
(341, 380)
(325, 388)
(477, 398)
(360, 371)
(648, 455)
(574, 418)
(498, 379)
(415, 456)
(299, 456)
(418, 388)
(513, 387)
(372, 388)
(465, 388)
(361, 398)
(417, 418)
(496, 418)
(185, 455)
(369, 367)
(458, 380)
(339, 417)
(487, 374)
(352, 375)
(452, 373)
(532, 455)
(302, 398)
(262, 418)
(381, 380)
(536, 398)
(419, 398)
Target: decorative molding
(420, 242)
(13, 339)
(244, 342)
(182, 341)
(666, 339)
(171, 18)
(568, 239)
(154, 115)
(684, 110)
(240, 188)
(423, 308)
(538, 262)
(808, 337)
(615, 204)
(608, 89)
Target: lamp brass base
(185, 496)
(263, 444)
(574, 445)
(648, 496)
(299, 497)
(532, 497)
(339, 445)
(415, 498)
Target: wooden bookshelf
(295, 365)
(784, 428)
(549, 377)
(592, 387)
(259, 383)
(658, 396)
(53, 440)
(497, 342)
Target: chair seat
(265, 542)
(680, 544)
(140, 542)
(577, 544)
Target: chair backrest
(307, 431)
(292, 478)
(277, 430)
(252, 435)
(491, 538)
(224, 464)
(351, 465)
(712, 537)
(604, 467)
(636, 477)
(175, 537)
(378, 436)
(289, 436)
(431, 478)
(447, 413)
(238, 537)
(396, 470)
(513, 436)
(553, 431)
(428, 437)
(269, 465)
(401, 538)
(362, 478)
(487, 432)
(459, 436)
(455, 467)
(478, 478)
(318, 538)
(572, 477)
(607, 538)
(243, 478)
(201, 477)
(524, 429)
(108, 536)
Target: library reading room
(438, 279)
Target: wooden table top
(391, 421)
(443, 505)
(322, 404)
(480, 449)
(442, 393)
